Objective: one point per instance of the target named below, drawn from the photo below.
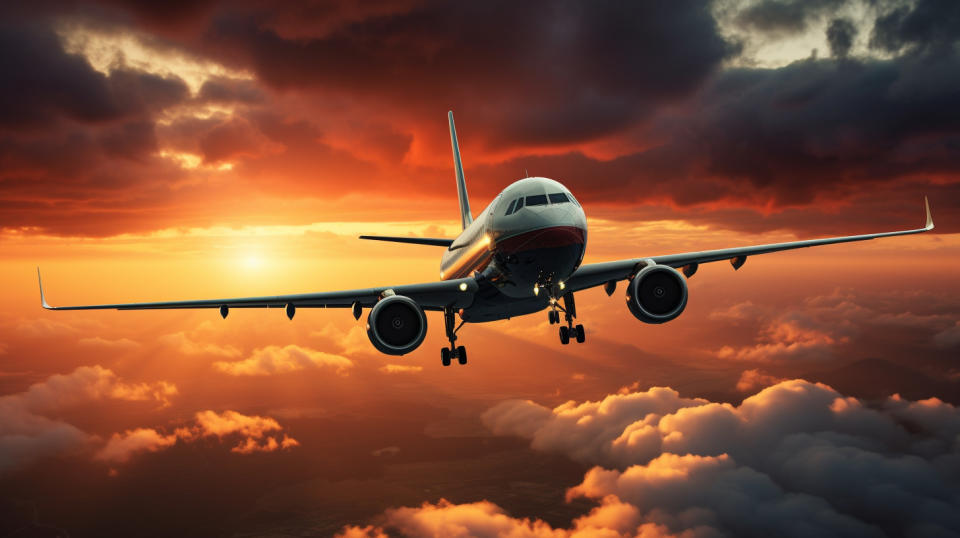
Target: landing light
(562, 285)
(536, 290)
(463, 286)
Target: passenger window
(558, 198)
(539, 199)
(510, 208)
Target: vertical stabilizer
(465, 216)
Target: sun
(252, 261)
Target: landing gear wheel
(554, 317)
(462, 355)
(445, 356)
(580, 336)
(564, 335)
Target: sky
(180, 150)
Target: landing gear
(553, 316)
(570, 312)
(447, 354)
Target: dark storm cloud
(926, 25)
(840, 36)
(42, 83)
(784, 16)
(545, 72)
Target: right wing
(430, 296)
(596, 274)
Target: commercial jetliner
(520, 255)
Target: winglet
(43, 301)
(926, 204)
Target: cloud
(184, 344)
(254, 430)
(29, 425)
(821, 325)
(785, 340)
(949, 337)
(272, 360)
(795, 459)
(121, 447)
(751, 380)
(120, 345)
(90, 383)
(400, 369)
(796, 455)
(252, 433)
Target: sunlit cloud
(30, 427)
(400, 369)
(110, 49)
(254, 433)
(183, 343)
(272, 360)
(794, 455)
(190, 161)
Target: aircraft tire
(580, 335)
(564, 335)
(462, 355)
(445, 356)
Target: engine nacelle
(396, 325)
(657, 294)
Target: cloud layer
(795, 459)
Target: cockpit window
(559, 198)
(537, 199)
(510, 208)
(519, 204)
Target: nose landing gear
(454, 351)
(569, 310)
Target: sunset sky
(187, 150)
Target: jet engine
(657, 294)
(396, 325)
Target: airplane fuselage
(522, 246)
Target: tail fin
(465, 216)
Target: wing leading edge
(430, 296)
(596, 274)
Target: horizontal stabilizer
(415, 240)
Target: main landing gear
(447, 354)
(569, 310)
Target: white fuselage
(521, 246)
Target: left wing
(430, 296)
(596, 274)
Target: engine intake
(396, 325)
(657, 294)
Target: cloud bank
(795, 459)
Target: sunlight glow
(108, 50)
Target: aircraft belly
(501, 306)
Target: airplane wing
(596, 274)
(430, 296)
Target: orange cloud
(121, 447)
(30, 426)
(252, 428)
(184, 344)
(400, 369)
(751, 380)
(254, 431)
(278, 360)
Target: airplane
(522, 254)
